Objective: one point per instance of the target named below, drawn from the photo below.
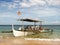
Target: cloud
(38, 8)
(26, 3)
(46, 12)
(53, 2)
(12, 5)
(37, 2)
(51, 22)
(33, 3)
(55, 22)
(43, 2)
(7, 15)
(16, 1)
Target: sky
(47, 11)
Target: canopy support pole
(34, 25)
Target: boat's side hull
(19, 33)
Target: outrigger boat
(30, 29)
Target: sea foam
(42, 39)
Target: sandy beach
(22, 41)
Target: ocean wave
(56, 39)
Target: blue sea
(55, 34)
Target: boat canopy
(29, 20)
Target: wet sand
(22, 41)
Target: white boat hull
(19, 33)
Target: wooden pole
(40, 25)
(34, 25)
(23, 28)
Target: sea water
(55, 34)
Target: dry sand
(22, 41)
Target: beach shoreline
(23, 41)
